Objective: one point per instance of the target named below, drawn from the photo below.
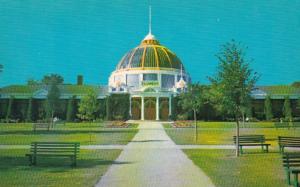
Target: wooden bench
(252, 140)
(291, 163)
(287, 141)
(282, 125)
(45, 126)
(296, 124)
(53, 149)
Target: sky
(89, 37)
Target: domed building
(152, 74)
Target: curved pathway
(153, 159)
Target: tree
(79, 80)
(268, 108)
(287, 110)
(29, 111)
(233, 82)
(71, 109)
(246, 110)
(296, 84)
(193, 100)
(32, 82)
(88, 107)
(52, 102)
(9, 108)
(53, 79)
(298, 105)
(1, 68)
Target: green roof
(78, 89)
(280, 90)
(22, 89)
(26, 91)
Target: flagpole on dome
(150, 20)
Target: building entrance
(149, 108)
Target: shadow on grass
(62, 132)
(271, 139)
(259, 152)
(148, 141)
(59, 164)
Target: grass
(214, 133)
(22, 134)
(92, 164)
(258, 169)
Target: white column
(142, 109)
(159, 80)
(170, 106)
(157, 108)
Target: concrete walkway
(153, 159)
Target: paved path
(153, 159)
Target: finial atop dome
(181, 84)
(150, 19)
(150, 38)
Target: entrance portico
(152, 106)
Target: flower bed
(183, 124)
(116, 124)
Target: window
(150, 77)
(167, 81)
(132, 80)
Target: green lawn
(257, 169)
(22, 134)
(92, 164)
(221, 133)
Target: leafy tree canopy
(52, 79)
(194, 98)
(287, 110)
(33, 82)
(234, 80)
(88, 106)
(52, 102)
(268, 108)
(296, 84)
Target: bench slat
(53, 149)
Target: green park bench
(53, 149)
(286, 141)
(291, 163)
(282, 125)
(41, 126)
(252, 140)
(296, 124)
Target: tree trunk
(196, 129)
(237, 150)
(243, 116)
(52, 115)
(90, 132)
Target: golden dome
(150, 54)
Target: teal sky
(89, 37)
